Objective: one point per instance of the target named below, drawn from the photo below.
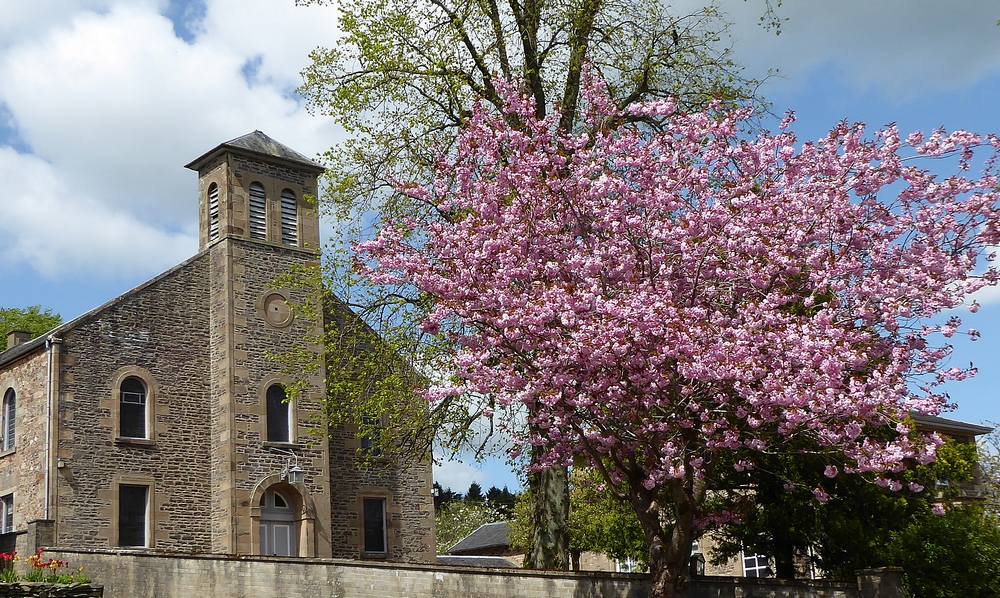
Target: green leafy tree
(956, 555)
(989, 463)
(443, 496)
(401, 80)
(598, 522)
(502, 500)
(34, 320)
(475, 493)
(457, 519)
(780, 516)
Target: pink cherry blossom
(670, 301)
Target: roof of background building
(495, 562)
(490, 535)
(949, 425)
(260, 144)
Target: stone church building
(158, 422)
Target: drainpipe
(52, 345)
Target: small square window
(756, 566)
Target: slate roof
(949, 425)
(258, 143)
(495, 562)
(490, 535)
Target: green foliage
(403, 75)
(372, 380)
(780, 516)
(952, 556)
(457, 519)
(35, 320)
(443, 496)
(475, 493)
(989, 463)
(502, 500)
(598, 522)
(401, 80)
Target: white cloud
(901, 48)
(24, 20)
(55, 229)
(458, 475)
(277, 31)
(988, 295)
(116, 103)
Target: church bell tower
(257, 224)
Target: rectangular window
(756, 566)
(7, 513)
(133, 514)
(628, 565)
(258, 212)
(133, 415)
(374, 518)
(371, 431)
(289, 218)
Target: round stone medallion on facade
(275, 309)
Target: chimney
(17, 337)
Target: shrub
(955, 555)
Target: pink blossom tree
(669, 298)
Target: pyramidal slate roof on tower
(259, 144)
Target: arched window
(9, 418)
(132, 406)
(289, 218)
(258, 212)
(278, 421)
(213, 212)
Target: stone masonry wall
(136, 575)
(151, 576)
(255, 268)
(160, 333)
(409, 503)
(46, 590)
(22, 471)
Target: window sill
(122, 440)
(374, 556)
(282, 445)
(7, 452)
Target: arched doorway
(279, 522)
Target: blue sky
(103, 101)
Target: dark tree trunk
(550, 515)
(669, 547)
(784, 559)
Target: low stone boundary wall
(130, 574)
(28, 589)
(133, 574)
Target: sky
(103, 101)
